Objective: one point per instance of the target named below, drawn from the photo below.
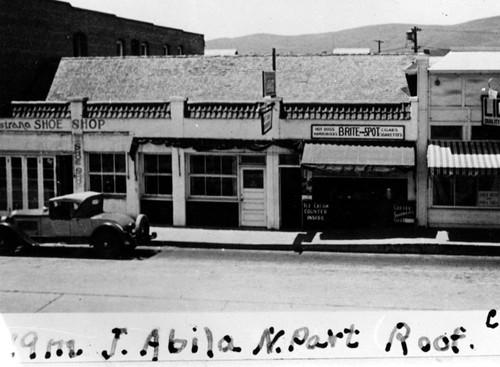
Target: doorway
(252, 197)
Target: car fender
(111, 227)
(8, 226)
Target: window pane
(442, 190)
(17, 183)
(253, 179)
(48, 180)
(121, 184)
(150, 164)
(228, 186)
(165, 164)
(165, 185)
(197, 186)
(289, 159)
(108, 183)
(107, 163)
(3, 183)
(446, 132)
(214, 186)
(488, 191)
(32, 183)
(95, 163)
(151, 185)
(197, 164)
(465, 190)
(253, 159)
(213, 164)
(485, 132)
(228, 165)
(96, 183)
(120, 163)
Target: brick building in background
(35, 34)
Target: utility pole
(379, 42)
(411, 35)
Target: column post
(422, 138)
(77, 108)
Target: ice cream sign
(373, 132)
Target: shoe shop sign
(53, 125)
(279, 338)
(374, 132)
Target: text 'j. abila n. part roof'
(314, 78)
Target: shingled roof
(309, 78)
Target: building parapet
(344, 111)
(110, 110)
(40, 110)
(223, 110)
(127, 110)
(216, 110)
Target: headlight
(130, 227)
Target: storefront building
(338, 151)
(463, 152)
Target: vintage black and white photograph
(259, 182)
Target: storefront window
(17, 182)
(107, 173)
(29, 178)
(157, 174)
(48, 180)
(213, 176)
(3, 183)
(32, 183)
(480, 191)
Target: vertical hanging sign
(269, 83)
(266, 117)
(268, 90)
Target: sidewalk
(394, 240)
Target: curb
(438, 248)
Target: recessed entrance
(359, 202)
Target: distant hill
(478, 33)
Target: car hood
(121, 219)
(29, 213)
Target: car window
(61, 210)
(89, 208)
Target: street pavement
(171, 279)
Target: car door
(57, 224)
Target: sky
(234, 18)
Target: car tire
(8, 242)
(108, 245)
(142, 230)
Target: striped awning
(470, 158)
(358, 155)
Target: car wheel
(108, 245)
(142, 230)
(8, 242)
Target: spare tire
(142, 230)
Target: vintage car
(75, 218)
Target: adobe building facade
(336, 153)
(36, 34)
